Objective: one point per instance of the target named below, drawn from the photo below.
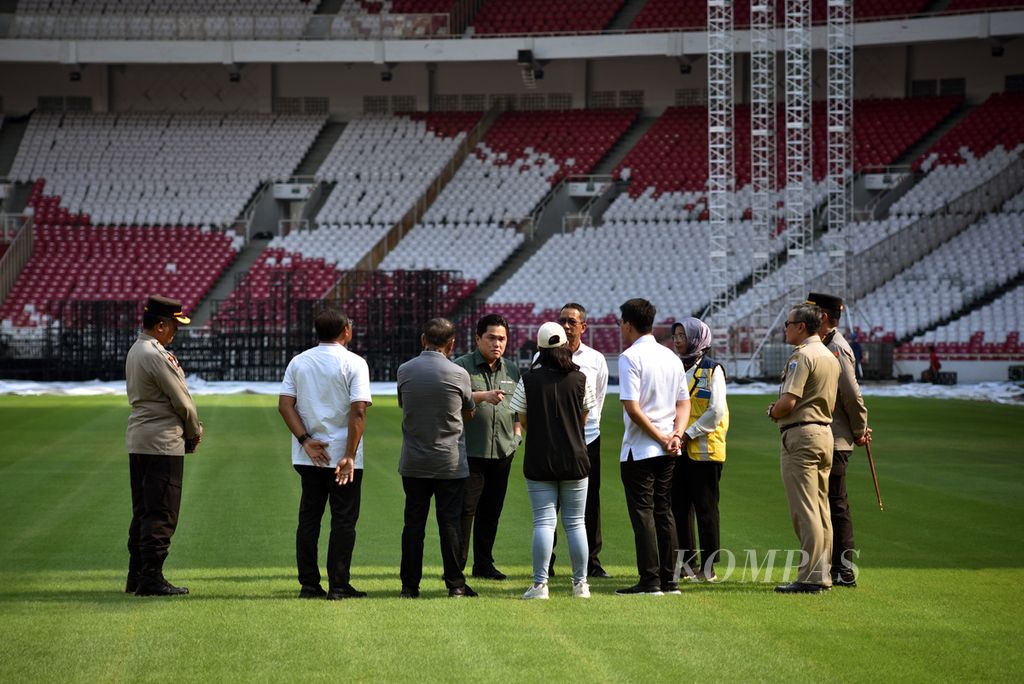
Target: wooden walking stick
(871, 462)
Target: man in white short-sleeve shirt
(573, 319)
(656, 407)
(324, 397)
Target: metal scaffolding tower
(721, 157)
(840, 140)
(762, 153)
(799, 179)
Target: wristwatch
(303, 437)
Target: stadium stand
(993, 330)
(946, 182)
(76, 262)
(972, 5)
(946, 280)
(542, 16)
(160, 169)
(157, 20)
(665, 14)
(474, 225)
(997, 122)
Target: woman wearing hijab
(552, 401)
(695, 482)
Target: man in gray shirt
(436, 397)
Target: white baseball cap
(551, 334)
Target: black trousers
(448, 502)
(319, 489)
(156, 500)
(648, 486)
(839, 510)
(484, 499)
(695, 494)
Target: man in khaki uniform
(162, 428)
(803, 412)
(849, 427)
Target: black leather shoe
(489, 573)
(848, 581)
(463, 591)
(598, 572)
(312, 592)
(158, 587)
(801, 588)
(670, 588)
(409, 593)
(131, 585)
(637, 589)
(345, 592)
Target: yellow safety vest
(710, 447)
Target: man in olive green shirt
(492, 437)
(803, 412)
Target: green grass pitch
(940, 593)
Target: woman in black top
(552, 401)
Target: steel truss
(764, 214)
(799, 179)
(721, 155)
(840, 141)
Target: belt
(793, 425)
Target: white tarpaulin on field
(999, 392)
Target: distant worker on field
(163, 427)
(324, 397)
(698, 471)
(803, 412)
(492, 436)
(436, 400)
(849, 427)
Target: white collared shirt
(325, 381)
(653, 376)
(593, 365)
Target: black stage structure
(250, 337)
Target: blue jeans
(571, 495)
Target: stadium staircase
(626, 14)
(320, 148)
(11, 134)
(621, 148)
(221, 290)
(328, 7)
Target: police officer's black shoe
(312, 591)
(841, 580)
(158, 586)
(462, 592)
(598, 572)
(131, 585)
(345, 592)
(409, 593)
(801, 588)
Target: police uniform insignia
(792, 365)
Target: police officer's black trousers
(318, 490)
(842, 522)
(156, 500)
(695, 494)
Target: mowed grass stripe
(938, 596)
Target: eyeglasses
(789, 323)
(570, 322)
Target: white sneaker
(580, 589)
(537, 591)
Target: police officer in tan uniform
(162, 428)
(803, 412)
(849, 427)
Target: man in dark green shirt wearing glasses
(492, 437)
